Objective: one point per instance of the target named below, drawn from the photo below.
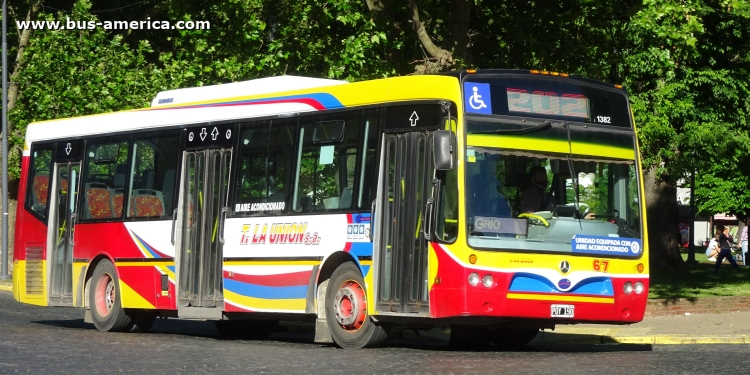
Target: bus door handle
(174, 223)
(222, 218)
(428, 218)
(73, 217)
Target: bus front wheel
(104, 300)
(346, 310)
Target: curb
(639, 335)
(6, 287)
(644, 340)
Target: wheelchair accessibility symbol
(477, 97)
(476, 101)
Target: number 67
(601, 265)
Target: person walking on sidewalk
(725, 250)
(743, 242)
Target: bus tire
(247, 329)
(104, 299)
(142, 320)
(510, 337)
(346, 310)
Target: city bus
(492, 202)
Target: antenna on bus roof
(260, 86)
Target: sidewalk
(6, 285)
(725, 328)
(729, 328)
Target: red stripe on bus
(282, 279)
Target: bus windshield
(521, 200)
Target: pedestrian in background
(743, 242)
(712, 250)
(725, 250)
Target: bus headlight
(474, 279)
(638, 287)
(628, 287)
(487, 281)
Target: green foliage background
(684, 62)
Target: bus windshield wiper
(532, 129)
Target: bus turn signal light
(473, 259)
(640, 267)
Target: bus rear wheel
(104, 300)
(346, 310)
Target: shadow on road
(292, 334)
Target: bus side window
(265, 161)
(105, 179)
(327, 162)
(153, 168)
(37, 194)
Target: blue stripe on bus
(265, 292)
(528, 282)
(146, 246)
(359, 249)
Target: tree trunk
(460, 14)
(23, 42)
(663, 222)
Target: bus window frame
(178, 168)
(29, 198)
(83, 203)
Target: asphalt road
(46, 340)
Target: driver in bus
(536, 198)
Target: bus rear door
(202, 211)
(60, 236)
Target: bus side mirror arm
(372, 219)
(174, 221)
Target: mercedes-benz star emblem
(564, 266)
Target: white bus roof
(260, 86)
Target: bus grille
(34, 270)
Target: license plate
(563, 311)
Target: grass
(698, 280)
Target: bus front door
(60, 232)
(402, 257)
(203, 205)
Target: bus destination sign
(547, 98)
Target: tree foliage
(684, 62)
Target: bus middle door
(60, 236)
(405, 188)
(202, 209)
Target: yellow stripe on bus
(549, 145)
(543, 297)
(131, 299)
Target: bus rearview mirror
(444, 150)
